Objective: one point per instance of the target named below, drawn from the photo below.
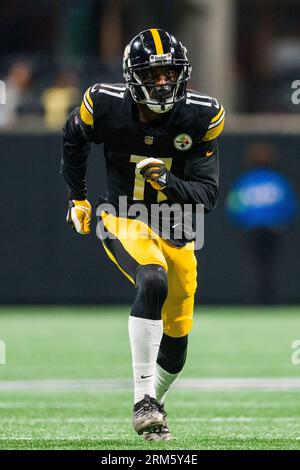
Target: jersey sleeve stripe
(213, 133)
(214, 119)
(86, 109)
(87, 104)
(214, 124)
(87, 94)
(85, 115)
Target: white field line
(70, 439)
(101, 420)
(228, 384)
(78, 405)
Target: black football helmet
(149, 55)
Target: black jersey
(184, 138)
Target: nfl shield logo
(148, 140)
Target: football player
(160, 147)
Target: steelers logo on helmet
(150, 55)
(183, 142)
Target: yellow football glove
(154, 172)
(79, 216)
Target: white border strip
(230, 384)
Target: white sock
(162, 382)
(145, 337)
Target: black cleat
(148, 415)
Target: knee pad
(152, 287)
(172, 353)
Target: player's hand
(79, 216)
(154, 171)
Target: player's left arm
(201, 179)
(201, 184)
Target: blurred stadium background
(59, 293)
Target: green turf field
(91, 343)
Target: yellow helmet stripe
(157, 41)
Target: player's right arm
(78, 133)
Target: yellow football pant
(137, 245)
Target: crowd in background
(59, 48)
(40, 94)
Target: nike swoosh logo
(208, 154)
(145, 376)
